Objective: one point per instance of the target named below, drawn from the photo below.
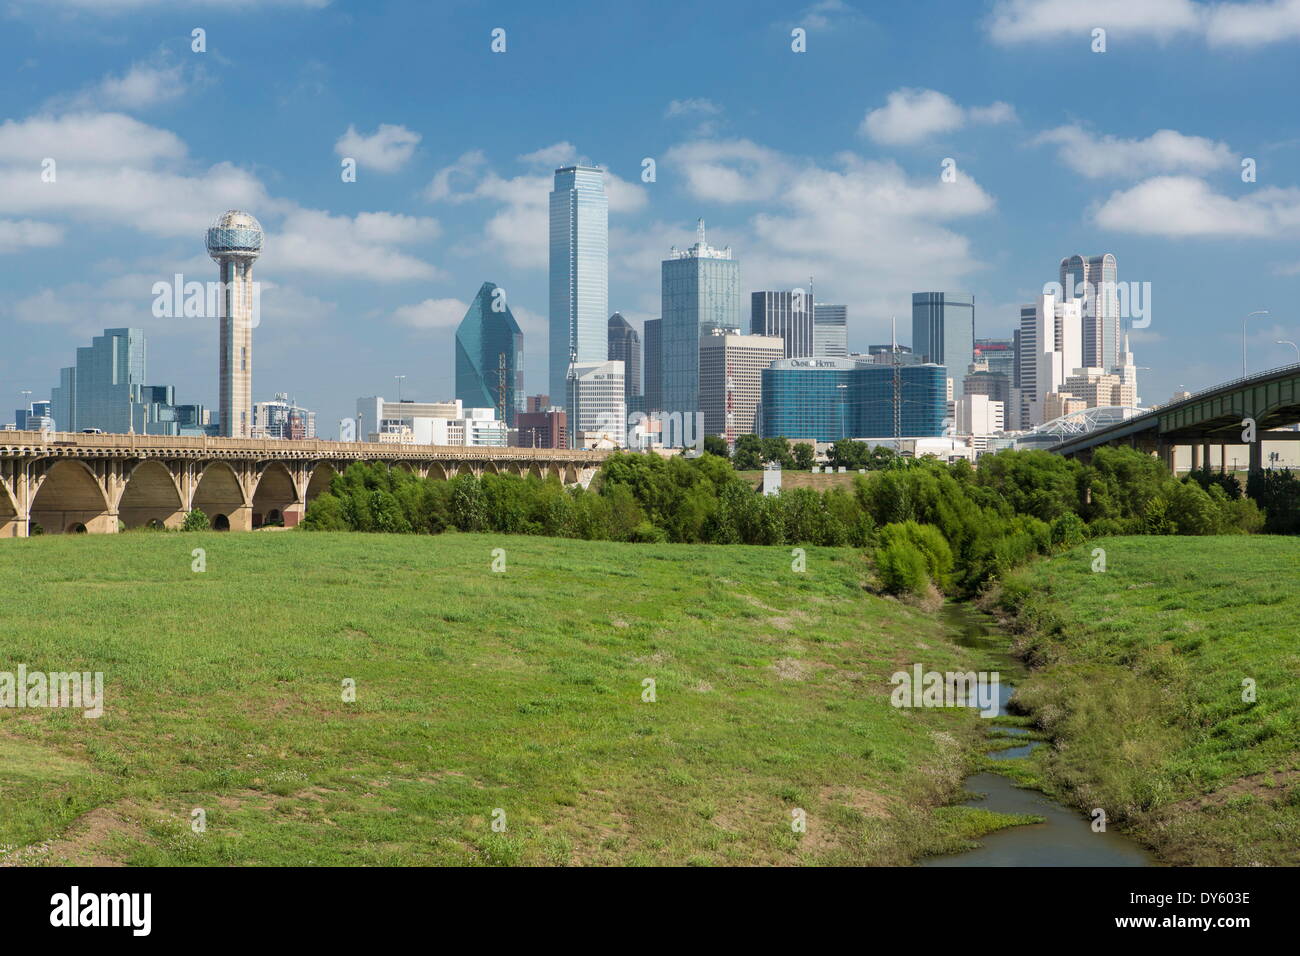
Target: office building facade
(943, 332)
(829, 399)
(1094, 281)
(106, 389)
(596, 404)
(490, 355)
(830, 330)
(1051, 348)
(579, 272)
(731, 381)
(700, 292)
(653, 353)
(543, 429)
(785, 315)
(625, 347)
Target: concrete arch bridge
(72, 483)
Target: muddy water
(1066, 837)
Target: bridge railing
(272, 447)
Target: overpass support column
(1166, 452)
(1196, 458)
(1257, 455)
(1223, 459)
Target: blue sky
(823, 163)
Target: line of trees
(927, 524)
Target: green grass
(475, 691)
(1142, 692)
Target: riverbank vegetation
(1014, 506)
(1169, 685)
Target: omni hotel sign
(813, 363)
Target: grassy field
(475, 691)
(1142, 692)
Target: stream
(1065, 838)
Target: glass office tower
(701, 292)
(827, 399)
(579, 272)
(830, 330)
(654, 365)
(490, 356)
(625, 347)
(943, 332)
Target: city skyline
(367, 276)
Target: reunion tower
(234, 242)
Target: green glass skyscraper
(490, 355)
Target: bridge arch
(322, 473)
(220, 496)
(71, 498)
(150, 496)
(9, 524)
(275, 497)
(437, 471)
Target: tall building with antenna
(700, 293)
(234, 243)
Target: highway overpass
(67, 482)
(1211, 417)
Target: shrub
(929, 543)
(901, 568)
(195, 520)
(1069, 530)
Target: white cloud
(142, 86)
(27, 234)
(827, 13)
(692, 106)
(519, 230)
(440, 314)
(878, 232)
(1252, 23)
(1166, 150)
(1185, 207)
(558, 154)
(386, 150)
(913, 115)
(103, 138)
(363, 246)
(115, 171)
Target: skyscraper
(1094, 280)
(832, 398)
(731, 371)
(106, 389)
(788, 315)
(235, 242)
(654, 365)
(830, 330)
(625, 347)
(943, 332)
(596, 404)
(1050, 351)
(490, 355)
(579, 272)
(701, 292)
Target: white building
(979, 415)
(429, 423)
(596, 403)
(1051, 347)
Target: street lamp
(1293, 345)
(1243, 337)
(399, 387)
